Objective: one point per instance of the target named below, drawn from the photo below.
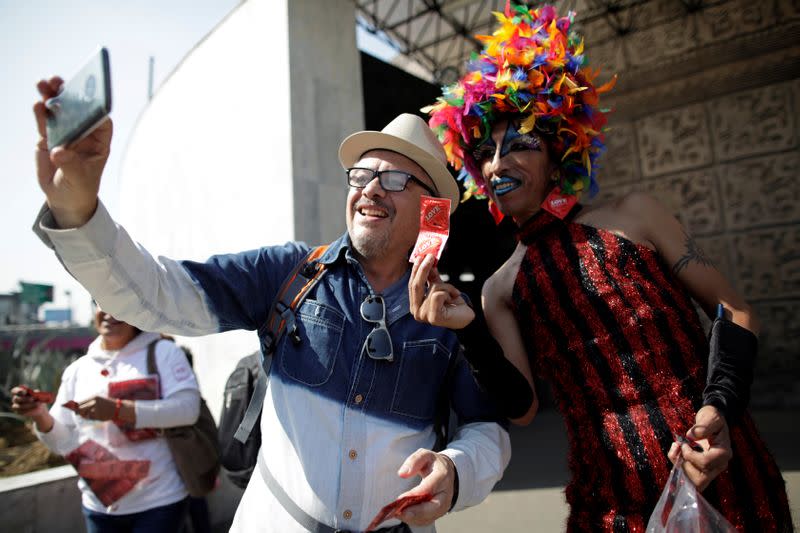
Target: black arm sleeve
(496, 374)
(731, 358)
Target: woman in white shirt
(105, 421)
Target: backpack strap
(152, 367)
(305, 275)
(295, 287)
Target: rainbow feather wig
(533, 67)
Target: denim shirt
(336, 424)
(329, 359)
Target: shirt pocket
(423, 366)
(319, 329)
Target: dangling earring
(555, 176)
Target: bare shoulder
(633, 216)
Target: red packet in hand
(559, 203)
(114, 469)
(396, 507)
(434, 228)
(39, 396)
(146, 388)
(72, 405)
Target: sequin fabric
(618, 339)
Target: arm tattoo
(693, 253)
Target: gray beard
(370, 246)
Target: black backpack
(239, 458)
(240, 420)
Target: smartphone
(83, 103)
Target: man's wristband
(455, 483)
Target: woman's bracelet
(117, 410)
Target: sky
(46, 37)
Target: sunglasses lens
(372, 309)
(379, 344)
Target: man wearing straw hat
(349, 413)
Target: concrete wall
(49, 500)
(706, 119)
(238, 148)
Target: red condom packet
(559, 203)
(146, 388)
(434, 228)
(72, 405)
(39, 396)
(109, 477)
(394, 509)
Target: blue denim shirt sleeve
(241, 287)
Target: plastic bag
(682, 509)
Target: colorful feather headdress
(531, 67)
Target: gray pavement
(530, 497)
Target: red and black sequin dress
(618, 339)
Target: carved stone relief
(788, 10)
(762, 191)
(780, 329)
(673, 141)
(608, 57)
(753, 122)
(732, 19)
(666, 41)
(620, 162)
(768, 262)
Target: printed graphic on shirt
(181, 372)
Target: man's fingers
(425, 266)
(46, 89)
(40, 112)
(416, 463)
(423, 513)
(60, 156)
(452, 292)
(55, 83)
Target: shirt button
(353, 454)
(359, 398)
(348, 514)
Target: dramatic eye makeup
(514, 141)
(484, 151)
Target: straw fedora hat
(410, 136)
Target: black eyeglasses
(390, 180)
(379, 342)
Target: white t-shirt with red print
(90, 376)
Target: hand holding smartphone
(83, 103)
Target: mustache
(373, 203)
